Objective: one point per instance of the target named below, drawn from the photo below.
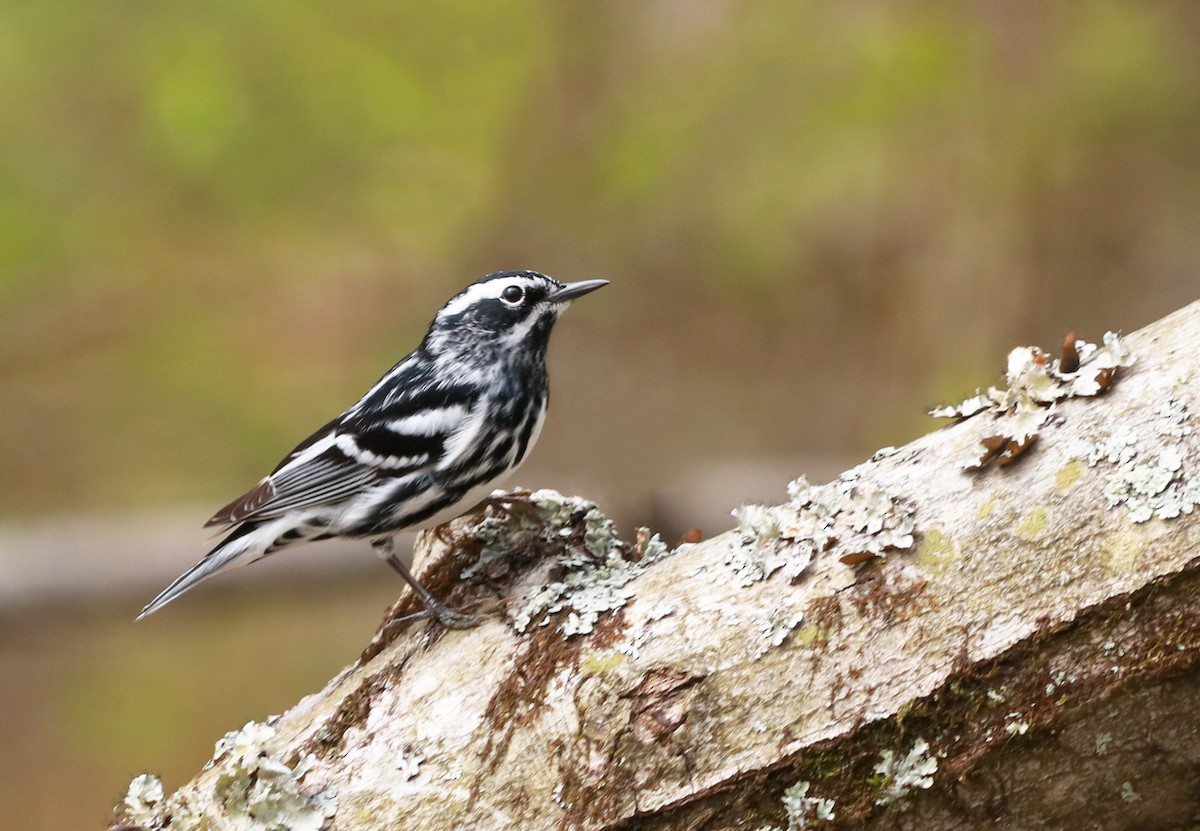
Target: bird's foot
(444, 615)
(453, 619)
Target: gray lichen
(655, 548)
(1174, 419)
(776, 627)
(1034, 384)
(592, 577)
(1149, 485)
(899, 776)
(760, 555)
(254, 791)
(804, 811)
(144, 799)
(846, 518)
(1128, 794)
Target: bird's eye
(513, 295)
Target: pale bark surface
(1043, 643)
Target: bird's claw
(447, 617)
(456, 620)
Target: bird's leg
(433, 607)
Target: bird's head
(512, 311)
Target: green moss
(1123, 551)
(812, 633)
(985, 510)
(602, 664)
(367, 807)
(1033, 525)
(936, 552)
(825, 763)
(1069, 474)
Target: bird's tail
(240, 547)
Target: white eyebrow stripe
(430, 422)
(472, 296)
(483, 291)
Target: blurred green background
(220, 222)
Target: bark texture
(1037, 638)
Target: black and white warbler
(429, 441)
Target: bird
(429, 441)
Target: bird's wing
(393, 437)
(317, 472)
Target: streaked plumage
(428, 441)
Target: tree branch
(1030, 660)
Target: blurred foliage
(220, 221)
(186, 190)
(90, 701)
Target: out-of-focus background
(220, 222)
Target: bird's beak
(572, 290)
